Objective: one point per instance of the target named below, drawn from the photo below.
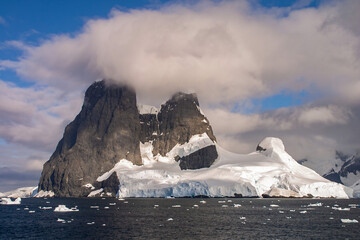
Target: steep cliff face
(179, 119)
(106, 130)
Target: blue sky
(288, 69)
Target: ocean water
(137, 218)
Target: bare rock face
(202, 158)
(106, 130)
(178, 120)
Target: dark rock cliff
(178, 120)
(106, 130)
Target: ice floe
(63, 208)
(346, 220)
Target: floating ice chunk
(90, 223)
(274, 205)
(156, 206)
(60, 220)
(106, 207)
(288, 217)
(170, 219)
(103, 225)
(221, 201)
(202, 201)
(94, 206)
(121, 199)
(196, 206)
(242, 218)
(331, 218)
(229, 200)
(237, 205)
(26, 208)
(303, 212)
(224, 206)
(8, 201)
(176, 206)
(319, 204)
(341, 209)
(45, 208)
(63, 208)
(31, 211)
(346, 220)
(281, 211)
(112, 204)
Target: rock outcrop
(110, 127)
(107, 129)
(178, 120)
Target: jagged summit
(106, 130)
(110, 127)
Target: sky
(288, 69)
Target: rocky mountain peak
(110, 127)
(105, 131)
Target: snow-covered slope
(23, 192)
(270, 171)
(356, 188)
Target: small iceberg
(274, 205)
(8, 201)
(170, 219)
(63, 208)
(349, 220)
(341, 209)
(237, 205)
(202, 201)
(319, 204)
(176, 206)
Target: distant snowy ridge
(269, 171)
(23, 192)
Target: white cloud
(325, 115)
(224, 51)
(35, 117)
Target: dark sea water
(139, 219)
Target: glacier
(270, 171)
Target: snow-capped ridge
(274, 173)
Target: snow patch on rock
(42, 194)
